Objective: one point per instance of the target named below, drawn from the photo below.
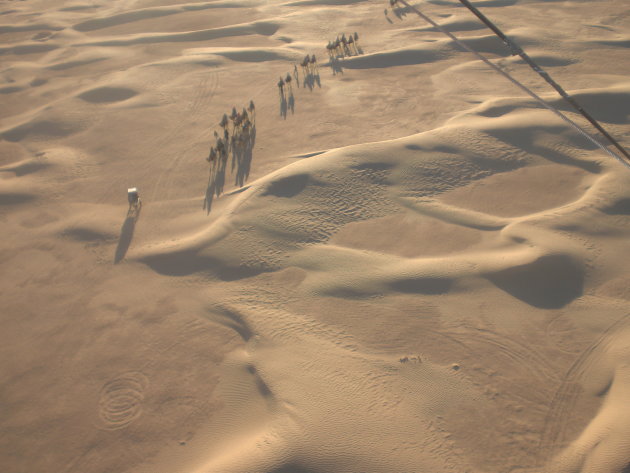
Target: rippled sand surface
(405, 265)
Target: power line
(517, 83)
(517, 50)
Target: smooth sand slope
(408, 266)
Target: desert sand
(412, 267)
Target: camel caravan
(310, 74)
(344, 46)
(242, 125)
(239, 128)
(237, 139)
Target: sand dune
(413, 267)
(266, 28)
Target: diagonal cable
(518, 50)
(517, 83)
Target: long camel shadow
(126, 232)
(336, 65)
(283, 105)
(291, 103)
(242, 154)
(216, 183)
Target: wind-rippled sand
(425, 271)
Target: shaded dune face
(38, 130)
(620, 207)
(550, 282)
(15, 198)
(187, 263)
(288, 186)
(423, 285)
(107, 95)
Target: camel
(330, 47)
(287, 80)
(252, 110)
(305, 63)
(224, 121)
(212, 157)
(351, 44)
(235, 117)
(245, 128)
(222, 149)
(344, 42)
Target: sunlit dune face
(522, 191)
(407, 236)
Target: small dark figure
(244, 120)
(356, 42)
(252, 109)
(314, 61)
(237, 122)
(224, 121)
(351, 44)
(295, 75)
(281, 86)
(330, 47)
(133, 197)
(212, 157)
(287, 80)
(221, 151)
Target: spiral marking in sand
(121, 399)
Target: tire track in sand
(563, 403)
(204, 92)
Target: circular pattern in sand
(121, 399)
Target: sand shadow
(241, 147)
(283, 105)
(288, 186)
(550, 282)
(216, 182)
(311, 79)
(242, 155)
(126, 232)
(335, 65)
(291, 103)
(401, 12)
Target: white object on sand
(132, 195)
